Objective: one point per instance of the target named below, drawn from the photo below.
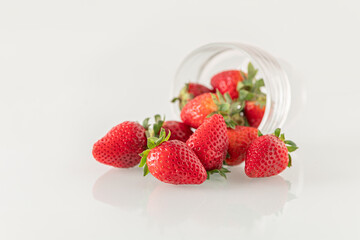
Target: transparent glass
(204, 62)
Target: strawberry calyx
(222, 171)
(229, 109)
(290, 145)
(156, 126)
(152, 142)
(183, 97)
(250, 88)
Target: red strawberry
(121, 146)
(250, 92)
(226, 82)
(172, 161)
(190, 91)
(254, 113)
(196, 110)
(268, 155)
(210, 142)
(197, 89)
(239, 140)
(179, 131)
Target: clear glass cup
(204, 62)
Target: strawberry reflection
(265, 196)
(172, 205)
(239, 201)
(125, 188)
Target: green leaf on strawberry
(146, 124)
(250, 88)
(251, 72)
(221, 171)
(227, 107)
(158, 124)
(290, 145)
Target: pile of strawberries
(225, 120)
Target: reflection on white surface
(123, 188)
(238, 201)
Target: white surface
(70, 70)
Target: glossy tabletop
(71, 70)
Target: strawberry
(121, 146)
(179, 131)
(196, 110)
(268, 155)
(190, 91)
(226, 82)
(255, 100)
(239, 140)
(210, 142)
(172, 161)
(254, 113)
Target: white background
(70, 70)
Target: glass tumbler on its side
(204, 62)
